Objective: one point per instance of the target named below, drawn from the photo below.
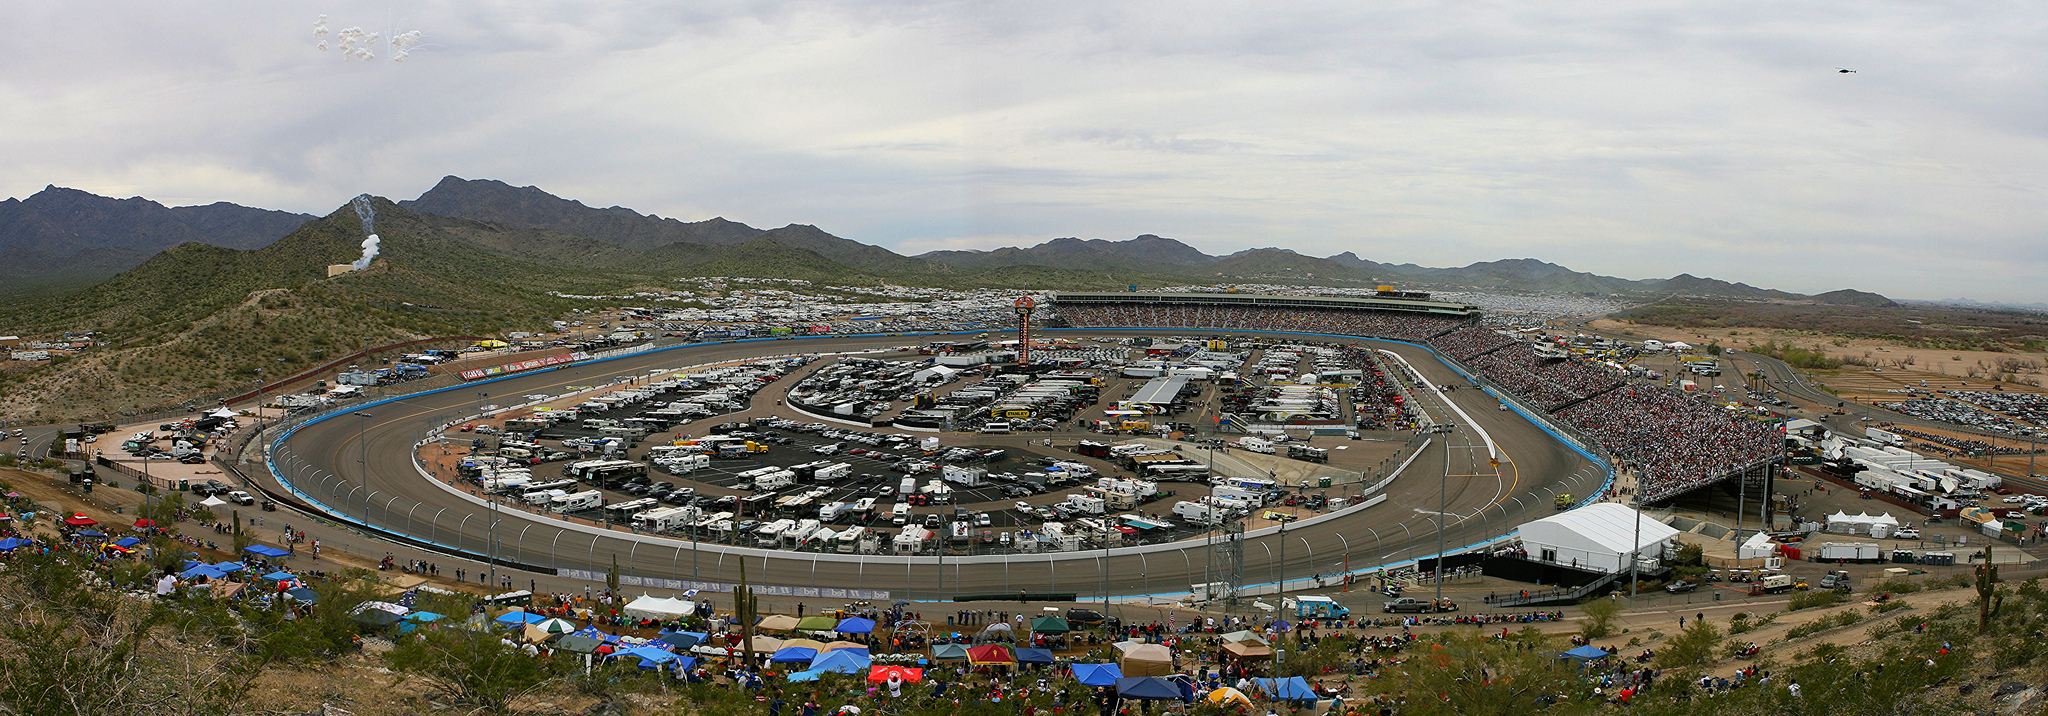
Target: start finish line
(763, 590)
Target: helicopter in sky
(1846, 70)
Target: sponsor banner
(497, 370)
(627, 580)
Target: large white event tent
(1596, 537)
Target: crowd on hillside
(1415, 327)
(1673, 443)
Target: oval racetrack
(321, 458)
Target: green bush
(1895, 586)
(1813, 599)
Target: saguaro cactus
(1988, 599)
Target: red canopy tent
(880, 673)
(990, 654)
(144, 523)
(80, 520)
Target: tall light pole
(1442, 491)
(259, 398)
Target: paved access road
(323, 460)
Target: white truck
(577, 502)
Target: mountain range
(66, 235)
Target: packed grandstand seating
(1383, 324)
(1674, 443)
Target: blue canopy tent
(280, 576)
(13, 543)
(265, 550)
(414, 620)
(92, 533)
(229, 566)
(855, 625)
(204, 570)
(1034, 656)
(1292, 688)
(1098, 674)
(843, 661)
(519, 618)
(127, 541)
(794, 655)
(652, 658)
(304, 595)
(1584, 653)
(1149, 688)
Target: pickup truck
(1418, 606)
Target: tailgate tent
(777, 622)
(1050, 625)
(855, 625)
(794, 655)
(1292, 688)
(881, 673)
(1034, 656)
(843, 662)
(1147, 660)
(1097, 674)
(650, 607)
(949, 652)
(265, 550)
(990, 655)
(1148, 688)
(578, 644)
(816, 624)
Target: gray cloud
(1636, 140)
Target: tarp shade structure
(1034, 656)
(999, 631)
(881, 673)
(265, 550)
(1097, 674)
(842, 662)
(1292, 688)
(682, 639)
(1147, 660)
(990, 655)
(578, 644)
(794, 655)
(1226, 696)
(1585, 652)
(1250, 636)
(1596, 537)
(1050, 625)
(1148, 688)
(651, 607)
(816, 624)
(855, 625)
(1248, 650)
(949, 652)
(778, 622)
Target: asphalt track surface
(1483, 502)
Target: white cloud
(1633, 140)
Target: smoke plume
(368, 214)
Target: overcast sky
(1632, 139)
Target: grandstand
(1675, 444)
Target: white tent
(212, 502)
(935, 374)
(1679, 346)
(1596, 537)
(1862, 523)
(221, 413)
(650, 607)
(1759, 546)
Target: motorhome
(577, 502)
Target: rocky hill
(59, 235)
